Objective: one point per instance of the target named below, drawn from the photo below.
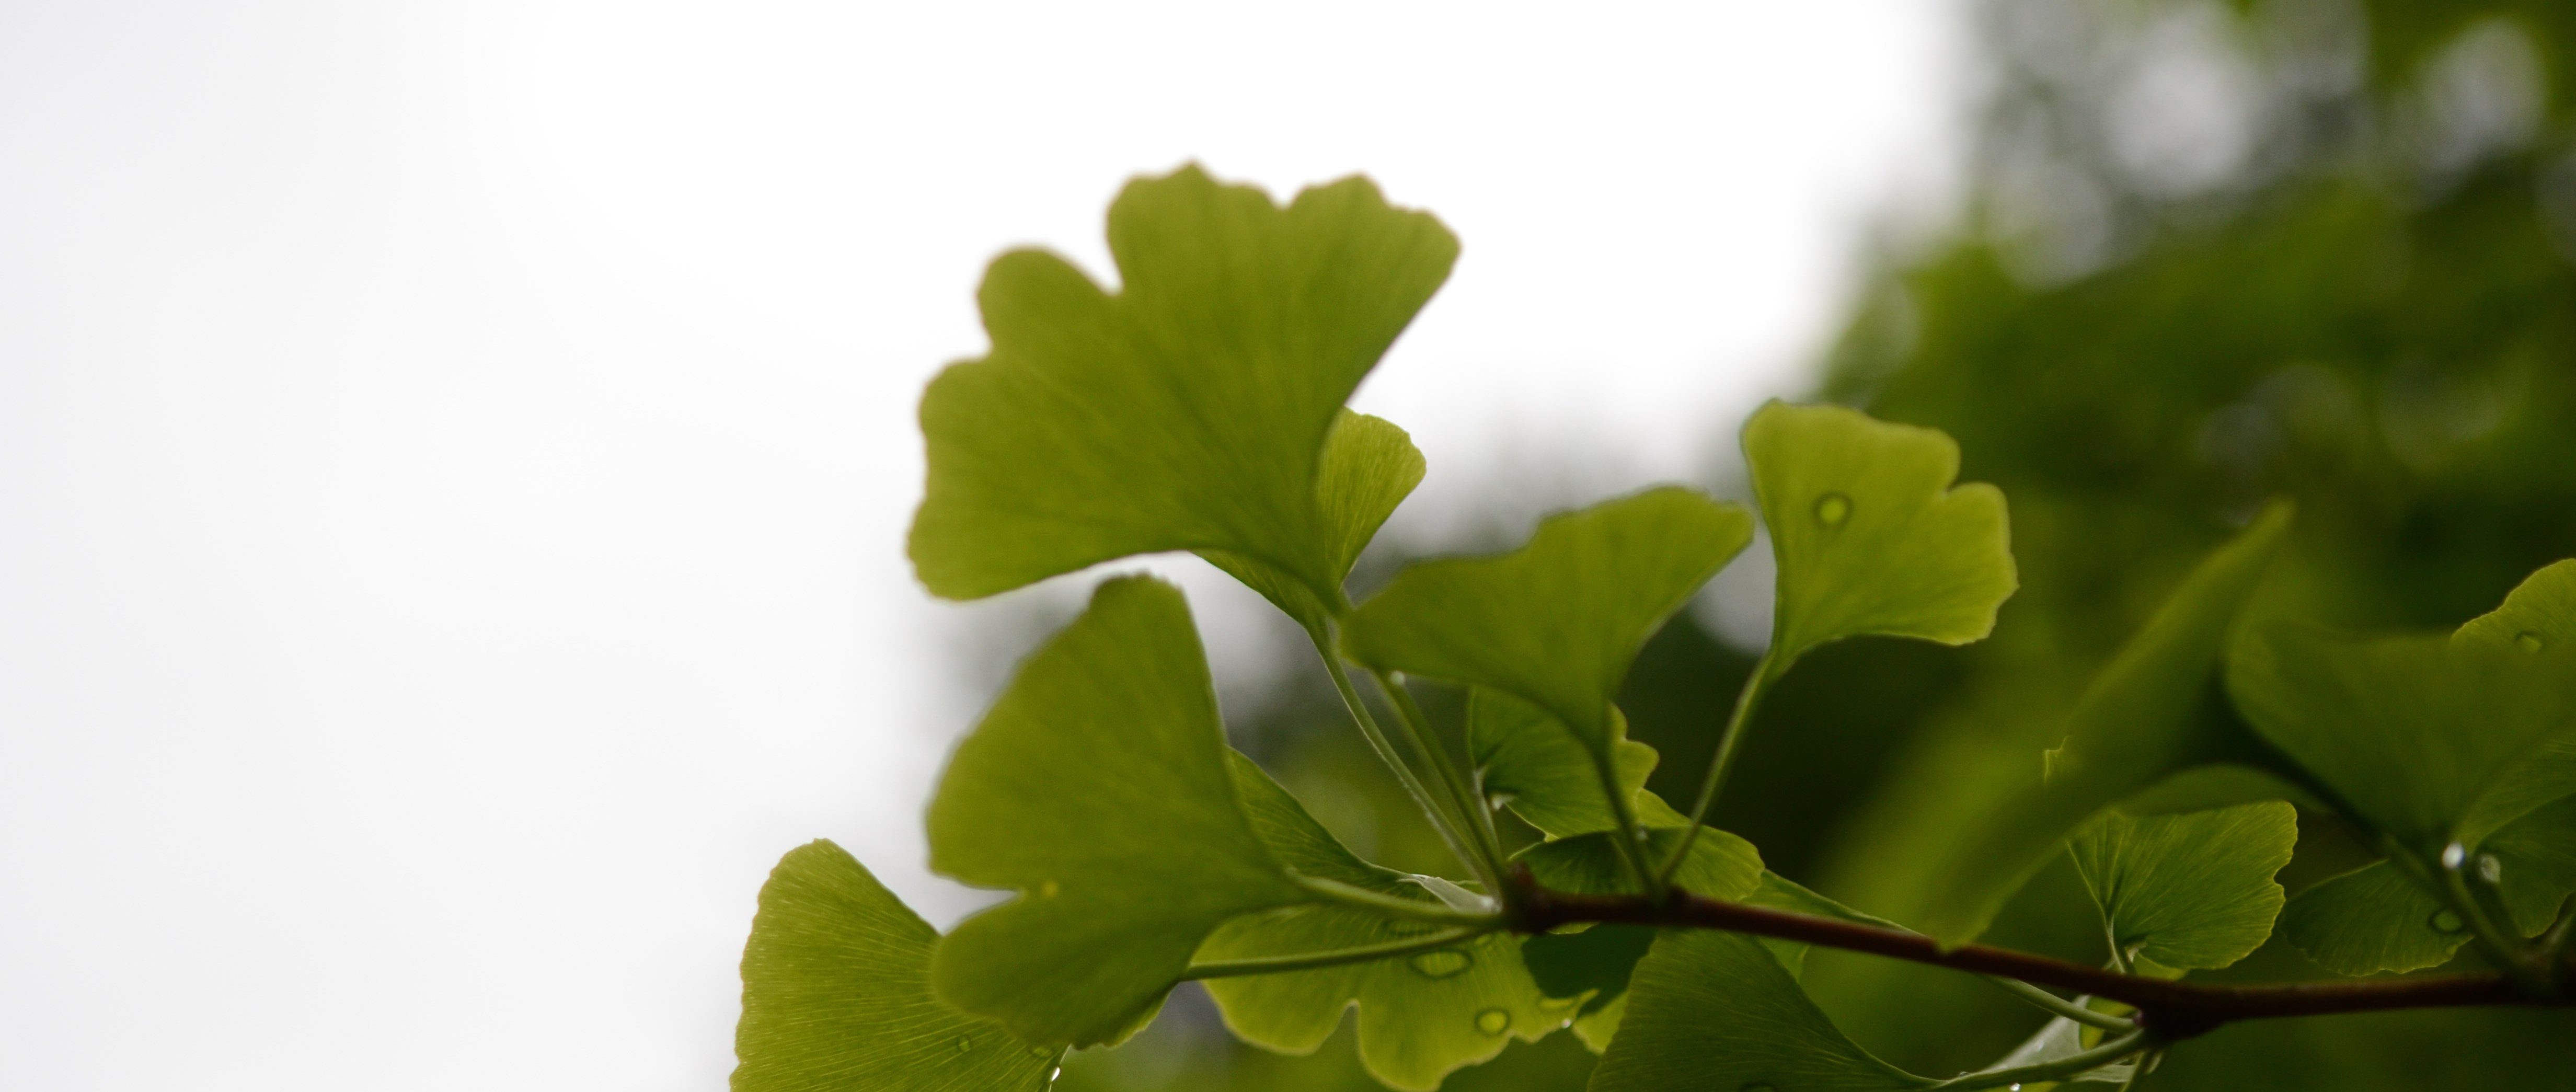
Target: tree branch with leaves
(1201, 408)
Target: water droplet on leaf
(1832, 509)
(2445, 921)
(1493, 1021)
(1441, 963)
(2453, 855)
(2489, 868)
(2529, 641)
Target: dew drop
(2013, 1087)
(1052, 1074)
(1048, 890)
(2490, 869)
(964, 1044)
(2527, 640)
(2454, 855)
(1441, 963)
(1832, 509)
(2444, 921)
(1493, 1021)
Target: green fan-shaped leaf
(1186, 411)
(1870, 535)
(1528, 761)
(2382, 919)
(836, 994)
(2134, 725)
(1720, 865)
(1711, 1010)
(2538, 619)
(2537, 616)
(1778, 893)
(1557, 621)
(2408, 731)
(2189, 890)
(2536, 855)
(1368, 467)
(1421, 1015)
(1098, 787)
(2375, 919)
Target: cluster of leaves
(1201, 408)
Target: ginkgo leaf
(1714, 1010)
(2134, 726)
(836, 994)
(1530, 763)
(1779, 893)
(2537, 619)
(2537, 616)
(2536, 862)
(1188, 410)
(1070, 791)
(2189, 890)
(1557, 621)
(1720, 865)
(1870, 534)
(1421, 1014)
(1368, 468)
(2382, 919)
(2408, 731)
(2375, 919)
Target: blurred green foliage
(2210, 254)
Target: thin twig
(2174, 1009)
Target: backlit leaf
(1777, 892)
(1712, 1010)
(1532, 763)
(2538, 619)
(2382, 919)
(1720, 865)
(2375, 919)
(2189, 890)
(1186, 411)
(1557, 621)
(2134, 725)
(2537, 859)
(1368, 467)
(836, 994)
(1870, 535)
(1420, 1015)
(2408, 731)
(1098, 787)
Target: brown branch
(2175, 1010)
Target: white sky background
(454, 459)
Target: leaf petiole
(1746, 701)
(1238, 968)
(2068, 1066)
(1462, 795)
(1393, 907)
(1431, 809)
(2059, 1006)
